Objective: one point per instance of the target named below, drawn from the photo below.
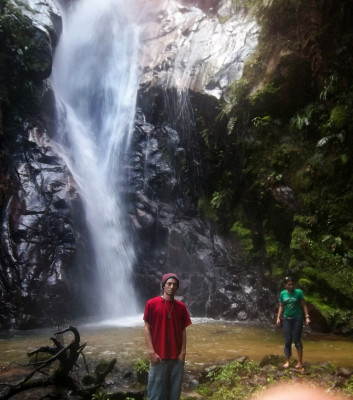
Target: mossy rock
(339, 117)
(265, 100)
(272, 359)
(322, 368)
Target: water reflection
(208, 341)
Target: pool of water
(207, 342)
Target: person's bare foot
(299, 366)
(286, 365)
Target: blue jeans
(293, 331)
(164, 380)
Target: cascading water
(97, 70)
(95, 79)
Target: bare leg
(288, 334)
(286, 364)
(300, 359)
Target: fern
(330, 87)
(303, 119)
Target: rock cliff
(191, 52)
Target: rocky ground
(240, 378)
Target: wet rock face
(171, 236)
(42, 228)
(189, 59)
(187, 47)
(39, 237)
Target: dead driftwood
(45, 375)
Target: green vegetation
(25, 60)
(282, 163)
(142, 368)
(100, 396)
(142, 365)
(227, 382)
(244, 378)
(244, 235)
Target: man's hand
(154, 357)
(181, 356)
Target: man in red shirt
(165, 322)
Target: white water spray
(95, 78)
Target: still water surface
(208, 341)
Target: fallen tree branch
(60, 376)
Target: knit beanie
(169, 275)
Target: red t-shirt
(167, 333)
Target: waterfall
(107, 49)
(95, 79)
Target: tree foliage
(287, 150)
